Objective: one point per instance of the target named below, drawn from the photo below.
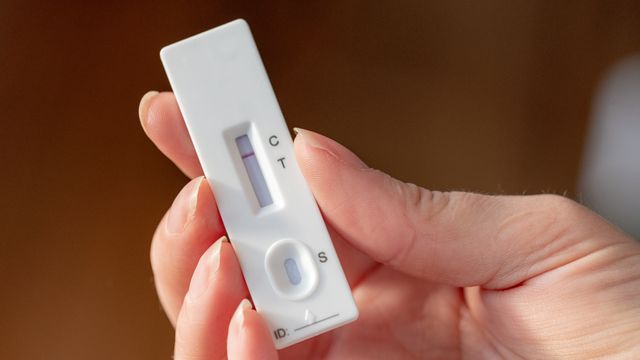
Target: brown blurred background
(484, 96)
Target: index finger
(163, 123)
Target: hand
(434, 274)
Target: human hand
(434, 274)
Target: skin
(434, 274)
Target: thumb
(458, 238)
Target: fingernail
(214, 263)
(144, 105)
(207, 266)
(329, 146)
(184, 207)
(238, 315)
(312, 139)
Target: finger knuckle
(423, 211)
(542, 226)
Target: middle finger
(190, 226)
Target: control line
(315, 322)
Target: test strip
(258, 182)
(245, 148)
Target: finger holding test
(215, 290)
(461, 239)
(162, 121)
(249, 336)
(189, 227)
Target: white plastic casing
(287, 258)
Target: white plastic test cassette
(244, 146)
